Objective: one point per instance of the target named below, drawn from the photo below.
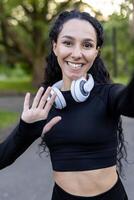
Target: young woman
(83, 146)
(26, 133)
(86, 142)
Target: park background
(24, 45)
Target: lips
(75, 65)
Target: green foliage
(124, 44)
(121, 79)
(17, 72)
(16, 86)
(7, 119)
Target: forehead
(78, 28)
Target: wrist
(31, 129)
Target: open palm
(39, 109)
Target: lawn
(16, 86)
(8, 118)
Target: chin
(75, 77)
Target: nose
(76, 52)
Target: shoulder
(107, 90)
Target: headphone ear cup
(81, 88)
(60, 102)
(77, 90)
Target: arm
(18, 141)
(32, 125)
(121, 99)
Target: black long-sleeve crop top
(86, 137)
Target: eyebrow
(72, 38)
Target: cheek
(63, 52)
(90, 57)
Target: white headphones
(80, 91)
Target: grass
(8, 118)
(16, 86)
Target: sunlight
(106, 7)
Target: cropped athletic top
(86, 137)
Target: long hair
(98, 70)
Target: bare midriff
(87, 183)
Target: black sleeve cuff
(31, 129)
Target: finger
(43, 99)
(37, 97)
(50, 124)
(26, 101)
(49, 103)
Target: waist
(87, 183)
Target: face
(75, 49)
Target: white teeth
(74, 65)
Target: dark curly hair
(98, 70)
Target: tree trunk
(126, 68)
(114, 42)
(38, 71)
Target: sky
(105, 6)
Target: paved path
(30, 177)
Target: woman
(26, 133)
(87, 135)
(84, 144)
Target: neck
(67, 83)
(65, 86)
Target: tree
(128, 6)
(24, 30)
(119, 52)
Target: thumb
(50, 124)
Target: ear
(54, 48)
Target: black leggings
(117, 192)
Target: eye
(67, 43)
(87, 45)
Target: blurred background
(24, 45)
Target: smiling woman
(84, 134)
(75, 51)
(84, 144)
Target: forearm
(18, 141)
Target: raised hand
(39, 109)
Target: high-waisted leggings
(117, 192)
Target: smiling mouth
(75, 65)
